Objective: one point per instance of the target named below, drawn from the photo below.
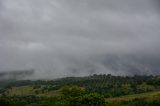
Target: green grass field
(118, 100)
(29, 90)
(114, 101)
(129, 97)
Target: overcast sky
(61, 38)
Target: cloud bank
(61, 38)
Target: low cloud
(61, 38)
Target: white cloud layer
(80, 37)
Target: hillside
(108, 89)
(120, 101)
(30, 90)
(26, 91)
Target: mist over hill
(60, 38)
(15, 74)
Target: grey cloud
(80, 37)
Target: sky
(61, 38)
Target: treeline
(106, 85)
(71, 96)
(77, 96)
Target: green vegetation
(96, 90)
(146, 99)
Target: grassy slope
(28, 90)
(117, 100)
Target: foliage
(92, 99)
(72, 91)
(82, 91)
(75, 96)
(7, 102)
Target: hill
(117, 91)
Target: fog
(59, 38)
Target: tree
(8, 102)
(72, 91)
(92, 99)
(75, 96)
(145, 87)
(126, 88)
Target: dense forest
(95, 90)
